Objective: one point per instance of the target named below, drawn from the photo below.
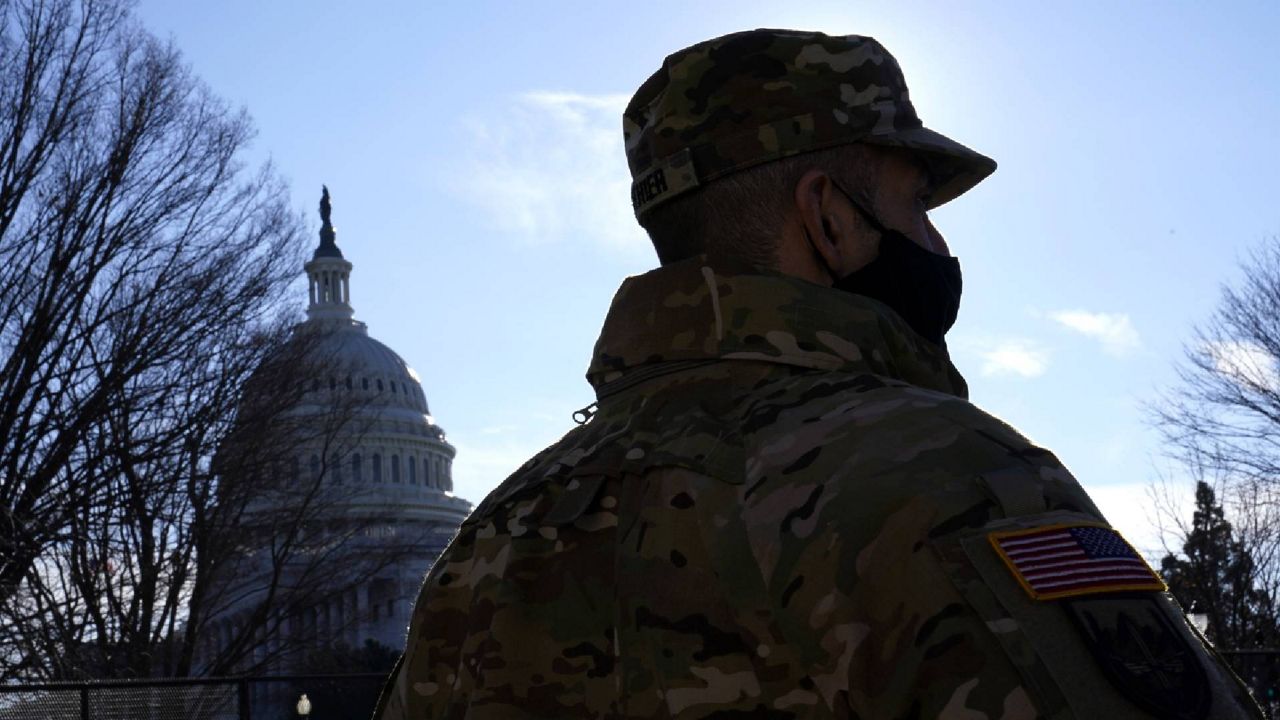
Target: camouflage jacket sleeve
(873, 523)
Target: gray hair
(740, 217)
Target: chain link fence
(330, 697)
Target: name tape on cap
(673, 176)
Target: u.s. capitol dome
(385, 472)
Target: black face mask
(921, 286)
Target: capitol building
(386, 475)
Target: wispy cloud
(1114, 330)
(1014, 357)
(498, 429)
(1248, 363)
(552, 168)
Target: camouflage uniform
(781, 507)
(785, 507)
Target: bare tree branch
(1221, 423)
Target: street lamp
(304, 706)
(1199, 618)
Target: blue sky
(475, 158)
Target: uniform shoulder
(903, 420)
(889, 442)
(530, 477)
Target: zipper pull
(583, 416)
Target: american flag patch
(1066, 560)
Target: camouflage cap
(752, 97)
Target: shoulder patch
(1144, 655)
(1070, 560)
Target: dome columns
(330, 289)
(328, 273)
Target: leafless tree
(1225, 410)
(129, 235)
(1221, 420)
(144, 280)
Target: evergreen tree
(1216, 575)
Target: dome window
(356, 468)
(335, 474)
(333, 384)
(413, 469)
(393, 386)
(348, 382)
(379, 385)
(364, 383)
(395, 468)
(376, 463)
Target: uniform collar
(696, 310)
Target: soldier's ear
(813, 201)
(814, 250)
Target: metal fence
(330, 697)
(340, 697)
(1260, 670)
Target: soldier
(784, 506)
